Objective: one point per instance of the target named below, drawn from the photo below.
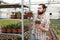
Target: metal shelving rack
(22, 8)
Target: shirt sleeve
(47, 23)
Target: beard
(40, 13)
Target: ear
(44, 9)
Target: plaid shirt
(39, 33)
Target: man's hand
(37, 25)
(41, 27)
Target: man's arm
(41, 28)
(44, 29)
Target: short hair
(43, 5)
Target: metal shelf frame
(16, 6)
(23, 16)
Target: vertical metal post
(30, 18)
(22, 1)
(0, 17)
(29, 5)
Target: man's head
(41, 9)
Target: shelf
(11, 19)
(11, 6)
(11, 34)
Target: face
(40, 9)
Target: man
(39, 31)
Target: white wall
(52, 8)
